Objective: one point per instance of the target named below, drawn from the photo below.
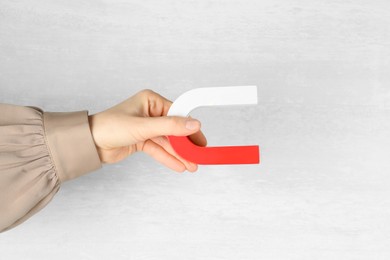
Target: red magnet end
(214, 155)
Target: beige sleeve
(38, 151)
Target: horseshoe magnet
(206, 97)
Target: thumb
(150, 127)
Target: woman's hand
(140, 124)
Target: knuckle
(146, 93)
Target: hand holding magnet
(206, 97)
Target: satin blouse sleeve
(38, 151)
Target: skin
(141, 124)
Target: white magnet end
(213, 96)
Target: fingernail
(192, 124)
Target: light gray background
(322, 190)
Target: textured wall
(323, 122)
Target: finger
(150, 127)
(198, 138)
(162, 156)
(153, 104)
(160, 102)
(164, 143)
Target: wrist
(92, 127)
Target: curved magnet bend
(215, 96)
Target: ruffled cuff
(70, 143)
